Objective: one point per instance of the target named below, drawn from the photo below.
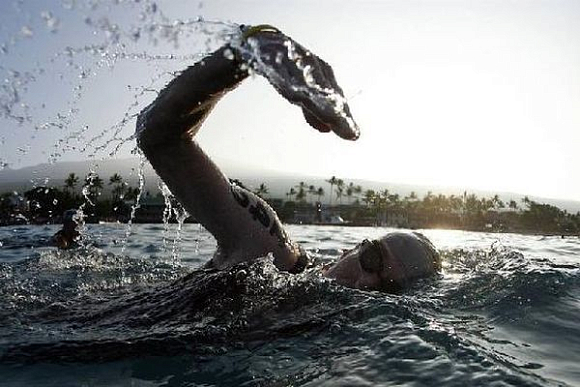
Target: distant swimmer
(243, 224)
(68, 236)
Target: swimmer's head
(69, 218)
(388, 264)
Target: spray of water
(75, 75)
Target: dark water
(133, 310)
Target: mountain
(277, 182)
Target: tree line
(46, 204)
(466, 211)
(353, 203)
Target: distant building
(150, 209)
(393, 218)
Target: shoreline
(520, 232)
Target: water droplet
(52, 23)
(229, 54)
(135, 34)
(279, 58)
(26, 31)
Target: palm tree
(339, 190)
(71, 182)
(311, 190)
(93, 183)
(410, 201)
(291, 193)
(320, 193)
(394, 200)
(384, 197)
(526, 200)
(497, 202)
(486, 204)
(369, 197)
(357, 191)
(379, 203)
(262, 190)
(119, 186)
(455, 203)
(350, 189)
(332, 181)
(115, 179)
(132, 193)
(301, 195)
(92, 187)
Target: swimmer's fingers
(301, 77)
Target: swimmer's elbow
(145, 133)
(159, 126)
(181, 107)
(141, 127)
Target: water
(130, 308)
(503, 312)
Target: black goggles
(371, 256)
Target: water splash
(137, 203)
(109, 48)
(173, 210)
(53, 104)
(181, 215)
(51, 21)
(304, 82)
(167, 212)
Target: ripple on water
(497, 315)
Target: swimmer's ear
(300, 77)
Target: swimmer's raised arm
(182, 106)
(244, 226)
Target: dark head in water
(68, 235)
(388, 264)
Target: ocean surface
(132, 308)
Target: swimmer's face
(69, 225)
(367, 266)
(386, 264)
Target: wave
(91, 307)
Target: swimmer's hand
(299, 76)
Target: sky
(467, 94)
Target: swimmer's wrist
(243, 46)
(249, 31)
(300, 264)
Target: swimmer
(68, 236)
(243, 224)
